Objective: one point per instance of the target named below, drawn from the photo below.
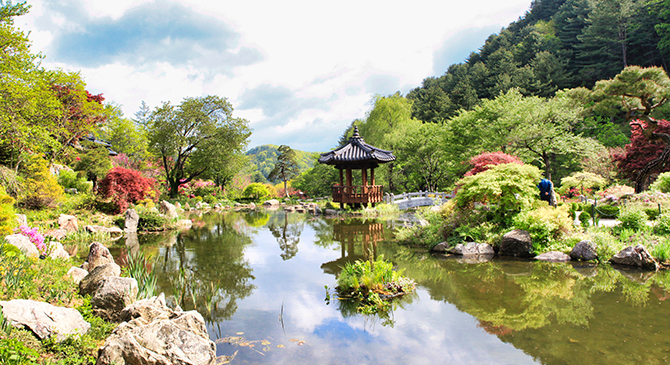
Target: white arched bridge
(418, 199)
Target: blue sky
(299, 71)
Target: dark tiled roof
(356, 154)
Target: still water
(261, 281)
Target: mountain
(263, 159)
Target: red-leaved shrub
(641, 151)
(127, 186)
(486, 160)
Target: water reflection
(239, 268)
(206, 268)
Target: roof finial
(356, 135)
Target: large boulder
(168, 209)
(516, 243)
(112, 295)
(132, 219)
(89, 284)
(635, 256)
(23, 243)
(553, 256)
(271, 203)
(68, 223)
(584, 251)
(151, 338)
(98, 255)
(148, 309)
(57, 234)
(44, 319)
(472, 249)
(440, 247)
(113, 231)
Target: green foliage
(14, 352)
(94, 162)
(257, 191)
(70, 180)
(607, 211)
(263, 158)
(286, 167)
(633, 217)
(545, 224)
(7, 214)
(139, 269)
(661, 250)
(584, 218)
(581, 180)
(652, 213)
(662, 183)
(41, 187)
(150, 220)
(317, 181)
(506, 189)
(663, 224)
(428, 235)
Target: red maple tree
(127, 186)
(486, 160)
(641, 150)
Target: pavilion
(357, 155)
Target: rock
(56, 234)
(178, 207)
(148, 309)
(317, 210)
(553, 256)
(252, 205)
(440, 247)
(472, 249)
(77, 274)
(57, 251)
(271, 203)
(89, 284)
(168, 209)
(584, 251)
(44, 319)
(331, 212)
(184, 224)
(635, 256)
(198, 205)
(23, 243)
(68, 223)
(180, 340)
(132, 243)
(516, 243)
(21, 220)
(300, 209)
(187, 207)
(103, 229)
(112, 295)
(132, 219)
(98, 255)
(289, 209)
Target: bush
(70, 180)
(633, 217)
(505, 188)
(661, 250)
(607, 211)
(584, 217)
(257, 191)
(663, 224)
(662, 183)
(150, 221)
(545, 224)
(652, 213)
(41, 190)
(7, 215)
(581, 181)
(125, 186)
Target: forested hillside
(558, 44)
(263, 158)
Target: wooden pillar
(349, 181)
(372, 176)
(365, 181)
(341, 178)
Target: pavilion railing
(358, 194)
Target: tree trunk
(547, 165)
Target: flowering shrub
(486, 160)
(127, 186)
(35, 237)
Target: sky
(299, 71)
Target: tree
(486, 160)
(127, 186)
(94, 162)
(641, 151)
(190, 138)
(126, 136)
(640, 91)
(286, 167)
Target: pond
(261, 280)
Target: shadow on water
(239, 269)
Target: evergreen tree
(286, 167)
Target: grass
(139, 268)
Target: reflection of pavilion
(358, 241)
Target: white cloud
(332, 58)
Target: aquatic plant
(139, 269)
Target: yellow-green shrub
(7, 218)
(41, 189)
(545, 224)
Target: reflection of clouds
(308, 312)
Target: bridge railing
(393, 199)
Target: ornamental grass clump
(372, 282)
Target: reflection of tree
(287, 232)
(208, 267)
(257, 218)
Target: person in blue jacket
(546, 190)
